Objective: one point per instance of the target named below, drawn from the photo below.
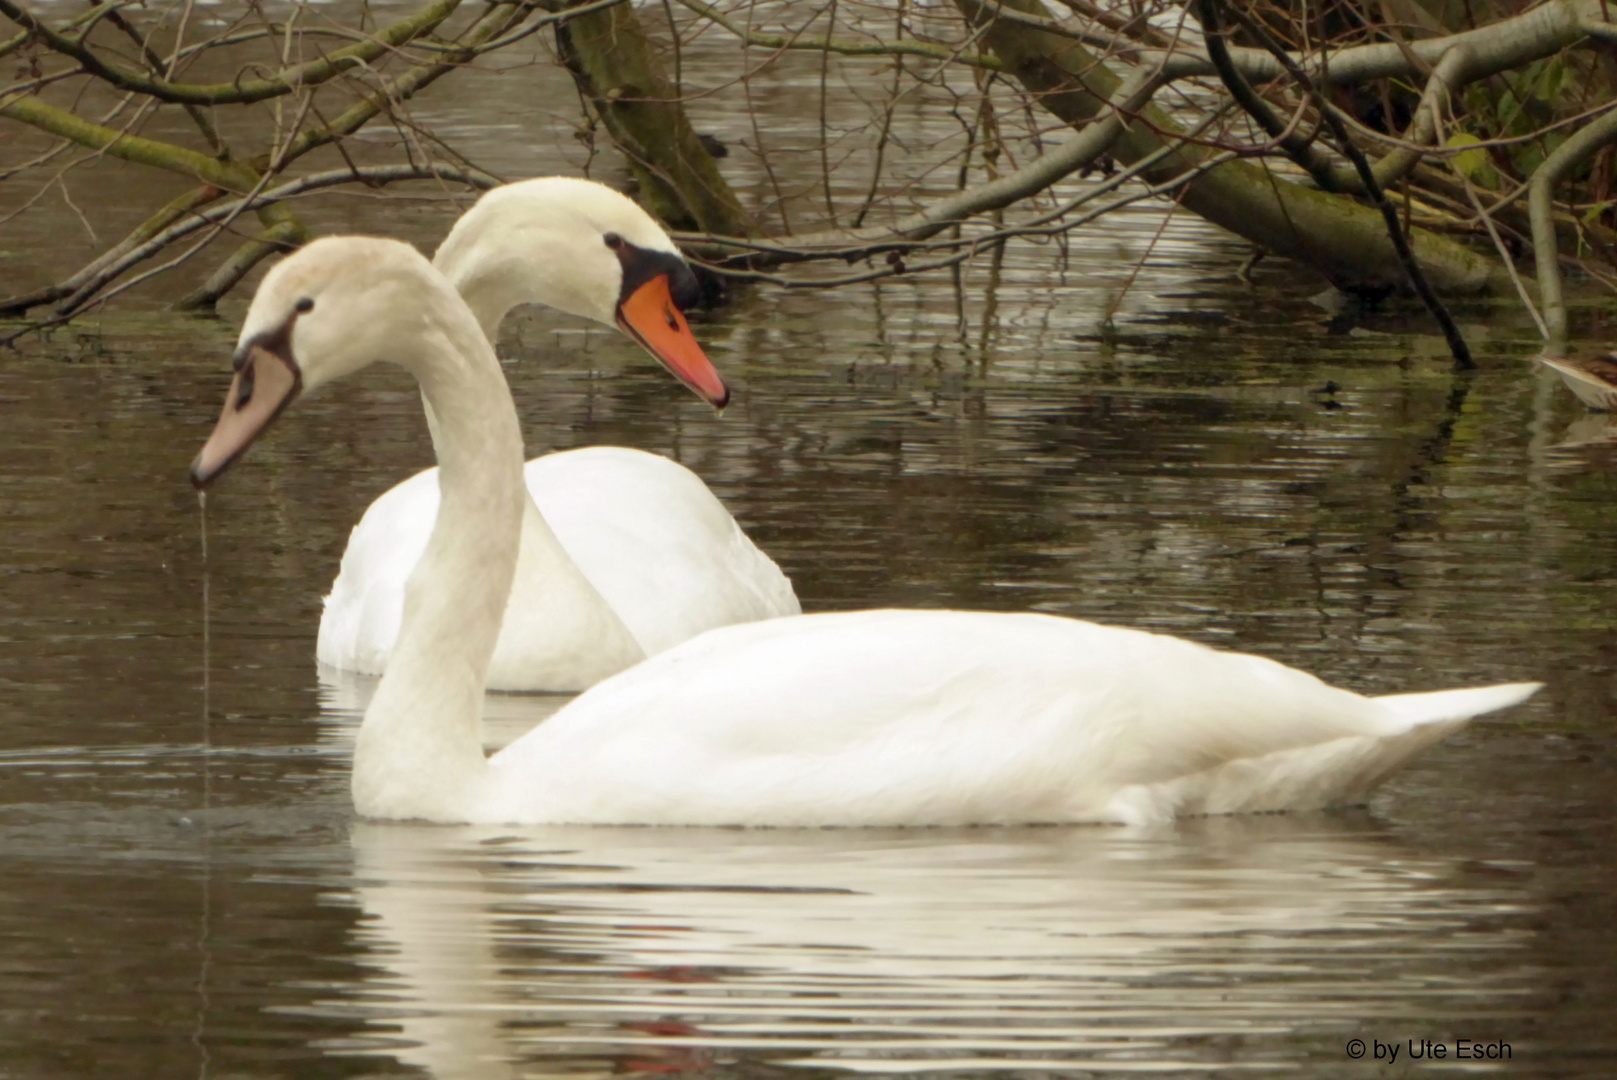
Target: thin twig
(374, 175)
(977, 243)
(1373, 190)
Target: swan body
(638, 554)
(855, 719)
(956, 718)
(648, 557)
(1593, 379)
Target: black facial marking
(277, 340)
(640, 265)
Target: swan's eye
(612, 240)
(306, 304)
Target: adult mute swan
(624, 553)
(863, 718)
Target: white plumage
(958, 718)
(639, 555)
(643, 557)
(866, 718)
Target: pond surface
(187, 892)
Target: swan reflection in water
(1589, 431)
(1243, 942)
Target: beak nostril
(245, 394)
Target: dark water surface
(186, 892)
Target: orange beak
(650, 317)
(265, 383)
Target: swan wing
(557, 634)
(362, 613)
(648, 557)
(656, 543)
(915, 717)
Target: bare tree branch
(241, 91)
(108, 268)
(1367, 176)
(1602, 132)
(783, 42)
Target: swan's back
(645, 532)
(921, 718)
(656, 544)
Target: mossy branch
(618, 74)
(241, 91)
(1601, 133)
(231, 176)
(1367, 178)
(498, 20)
(282, 236)
(1345, 241)
(178, 207)
(84, 288)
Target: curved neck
(420, 751)
(491, 296)
(490, 275)
(497, 262)
(500, 261)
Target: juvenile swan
(865, 718)
(624, 553)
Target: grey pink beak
(265, 383)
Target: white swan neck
(420, 752)
(500, 254)
(539, 242)
(490, 304)
(489, 275)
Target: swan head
(580, 247)
(329, 309)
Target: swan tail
(1438, 706)
(1344, 773)
(1337, 772)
